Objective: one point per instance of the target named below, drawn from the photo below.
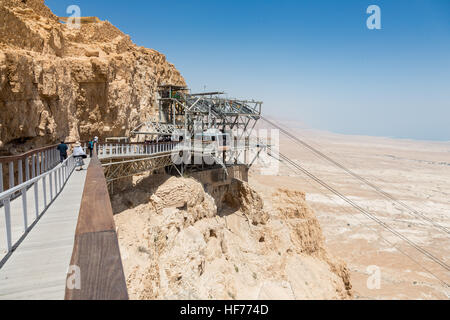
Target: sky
(311, 61)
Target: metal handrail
(109, 150)
(16, 169)
(58, 177)
(7, 159)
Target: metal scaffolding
(179, 109)
(185, 114)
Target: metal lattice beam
(116, 170)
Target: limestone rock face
(57, 82)
(175, 244)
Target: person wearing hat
(79, 155)
(96, 143)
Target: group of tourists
(78, 152)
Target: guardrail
(27, 166)
(52, 182)
(16, 169)
(96, 251)
(108, 150)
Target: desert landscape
(416, 172)
(278, 236)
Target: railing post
(50, 179)
(7, 206)
(20, 169)
(47, 162)
(56, 182)
(60, 179)
(42, 168)
(25, 209)
(44, 162)
(33, 166)
(11, 175)
(1, 177)
(38, 165)
(36, 198)
(27, 169)
(44, 190)
(58, 174)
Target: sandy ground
(416, 172)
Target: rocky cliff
(62, 83)
(176, 244)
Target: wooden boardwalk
(37, 269)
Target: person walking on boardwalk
(96, 143)
(62, 148)
(91, 147)
(79, 155)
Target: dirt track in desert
(415, 172)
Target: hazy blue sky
(311, 61)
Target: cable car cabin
(213, 138)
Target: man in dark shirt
(62, 148)
(91, 145)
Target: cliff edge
(177, 244)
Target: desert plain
(417, 173)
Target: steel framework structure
(182, 113)
(117, 169)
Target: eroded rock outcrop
(175, 244)
(57, 82)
